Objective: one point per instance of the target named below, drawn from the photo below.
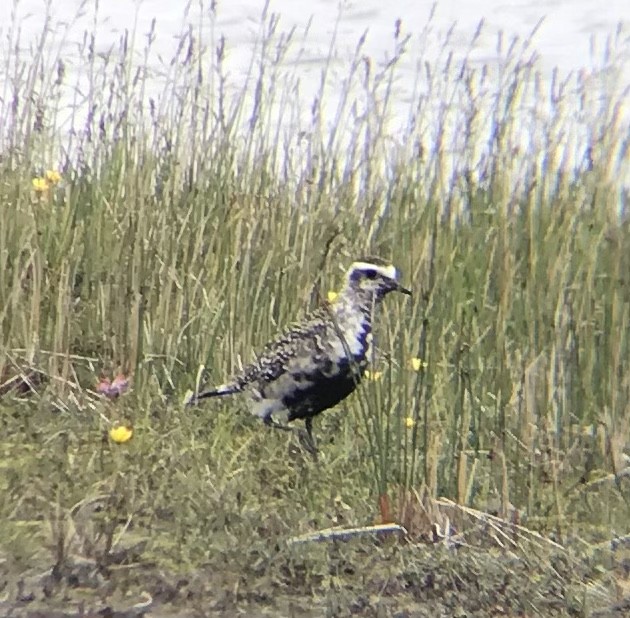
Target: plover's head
(373, 278)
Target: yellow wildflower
(121, 433)
(409, 422)
(40, 184)
(373, 375)
(332, 296)
(53, 177)
(417, 364)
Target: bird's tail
(218, 391)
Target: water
(571, 36)
(575, 37)
(564, 39)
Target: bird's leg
(309, 432)
(306, 438)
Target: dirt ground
(366, 577)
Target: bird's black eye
(370, 273)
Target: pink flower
(113, 389)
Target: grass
(187, 227)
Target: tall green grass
(189, 225)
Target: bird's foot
(305, 437)
(307, 443)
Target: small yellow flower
(121, 433)
(40, 184)
(53, 177)
(417, 364)
(332, 296)
(373, 375)
(409, 422)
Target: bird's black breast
(321, 390)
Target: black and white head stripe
(373, 275)
(376, 269)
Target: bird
(319, 361)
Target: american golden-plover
(318, 362)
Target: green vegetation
(187, 227)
